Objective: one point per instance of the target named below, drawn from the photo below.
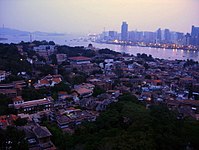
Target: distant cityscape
(49, 91)
(99, 75)
(162, 38)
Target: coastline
(150, 46)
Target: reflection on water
(155, 52)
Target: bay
(72, 40)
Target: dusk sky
(91, 16)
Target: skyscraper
(112, 35)
(195, 35)
(124, 31)
(194, 31)
(187, 39)
(167, 36)
(159, 35)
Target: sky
(92, 16)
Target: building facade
(124, 31)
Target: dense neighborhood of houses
(153, 81)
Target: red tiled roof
(18, 98)
(7, 120)
(79, 58)
(83, 91)
(57, 80)
(72, 108)
(13, 117)
(157, 81)
(62, 92)
(44, 81)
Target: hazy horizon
(92, 16)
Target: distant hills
(15, 32)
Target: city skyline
(92, 16)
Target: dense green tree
(78, 79)
(15, 64)
(128, 125)
(107, 51)
(61, 87)
(51, 43)
(12, 139)
(97, 91)
(75, 51)
(20, 122)
(32, 94)
(12, 78)
(45, 70)
(4, 102)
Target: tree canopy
(15, 64)
(128, 125)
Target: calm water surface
(73, 41)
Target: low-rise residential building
(61, 58)
(79, 60)
(2, 75)
(7, 120)
(185, 107)
(45, 50)
(48, 81)
(38, 137)
(83, 92)
(9, 92)
(32, 106)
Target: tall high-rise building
(159, 35)
(167, 36)
(124, 31)
(132, 36)
(112, 35)
(194, 31)
(187, 39)
(195, 35)
(149, 37)
(180, 37)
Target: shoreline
(158, 47)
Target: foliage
(61, 87)
(4, 109)
(14, 64)
(44, 42)
(108, 51)
(94, 72)
(31, 94)
(128, 125)
(58, 135)
(75, 51)
(45, 70)
(190, 62)
(54, 59)
(11, 78)
(12, 139)
(97, 91)
(145, 57)
(78, 79)
(20, 122)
